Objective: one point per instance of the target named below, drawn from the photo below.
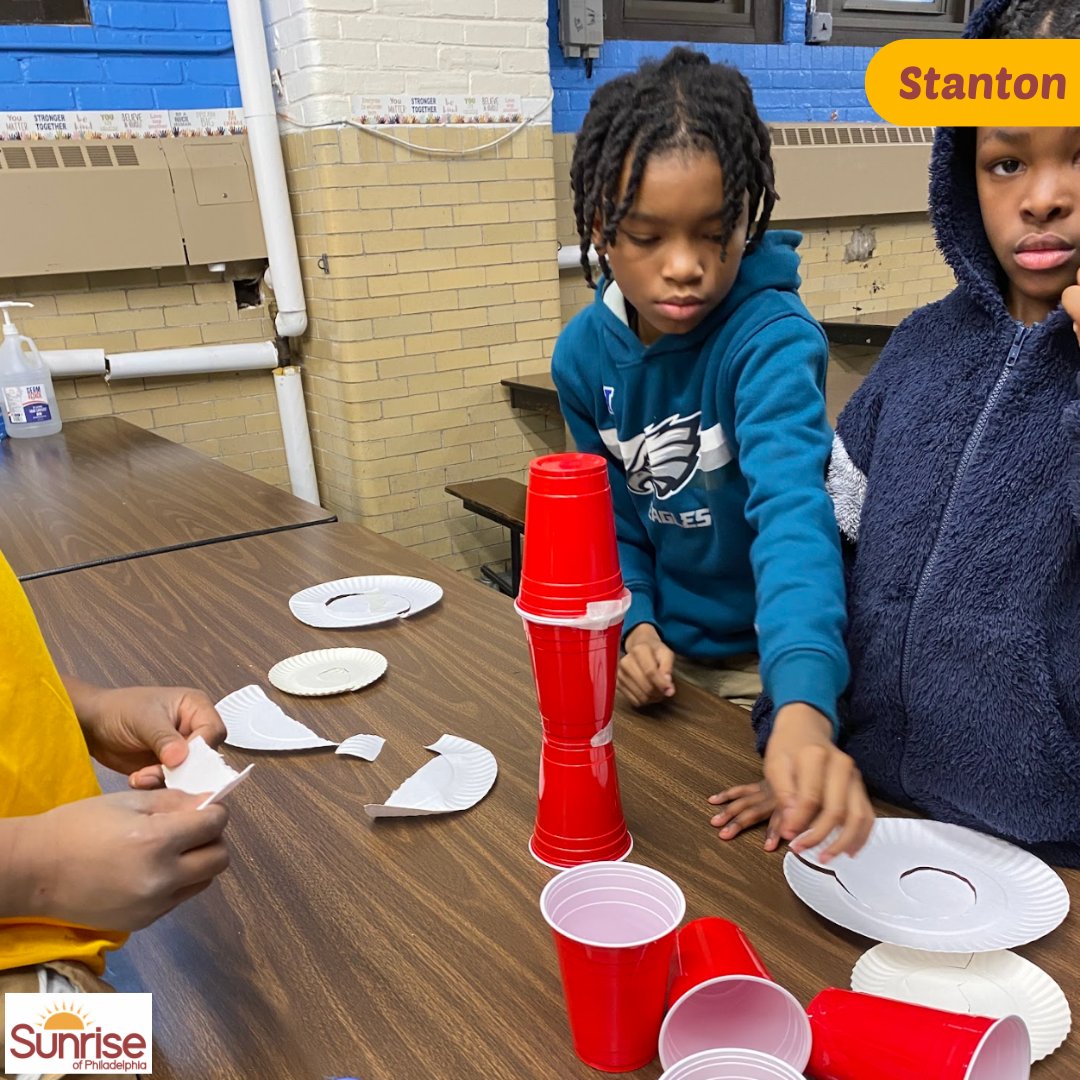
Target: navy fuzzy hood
(954, 201)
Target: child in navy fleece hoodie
(697, 372)
(956, 480)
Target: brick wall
(232, 418)
(165, 54)
(329, 50)
(791, 81)
(442, 281)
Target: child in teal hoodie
(698, 373)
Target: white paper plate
(991, 984)
(363, 601)
(254, 722)
(327, 671)
(204, 769)
(367, 747)
(459, 778)
(928, 885)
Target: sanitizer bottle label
(26, 404)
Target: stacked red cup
(573, 602)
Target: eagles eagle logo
(666, 456)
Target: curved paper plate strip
(254, 722)
(367, 747)
(458, 778)
(202, 770)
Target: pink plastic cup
(579, 814)
(857, 1036)
(614, 929)
(570, 558)
(722, 996)
(731, 1064)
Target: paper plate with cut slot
(363, 601)
(254, 722)
(991, 984)
(327, 671)
(929, 885)
(458, 778)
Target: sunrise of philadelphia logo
(81, 1033)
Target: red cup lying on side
(614, 930)
(722, 996)
(857, 1036)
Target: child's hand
(1071, 302)
(817, 786)
(645, 671)
(744, 807)
(137, 729)
(118, 862)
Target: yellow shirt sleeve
(43, 763)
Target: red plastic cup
(614, 929)
(722, 996)
(731, 1064)
(859, 1035)
(570, 558)
(574, 671)
(579, 815)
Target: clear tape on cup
(599, 614)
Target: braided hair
(683, 102)
(1039, 19)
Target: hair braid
(683, 102)
(1039, 18)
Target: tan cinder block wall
(905, 270)
(230, 417)
(441, 281)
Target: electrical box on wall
(581, 28)
(80, 205)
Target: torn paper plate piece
(254, 722)
(327, 671)
(458, 778)
(928, 885)
(363, 601)
(367, 747)
(204, 770)
(991, 984)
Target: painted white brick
(530, 10)
(350, 55)
(465, 9)
(452, 58)
(434, 31)
(408, 57)
(372, 28)
(521, 61)
(411, 8)
(503, 35)
(438, 82)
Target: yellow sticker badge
(983, 83)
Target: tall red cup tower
(573, 602)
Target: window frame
(673, 20)
(877, 22)
(45, 13)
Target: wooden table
(104, 489)
(865, 328)
(408, 949)
(533, 392)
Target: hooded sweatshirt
(717, 442)
(956, 477)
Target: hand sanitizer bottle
(26, 389)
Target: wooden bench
(503, 501)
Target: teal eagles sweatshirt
(717, 443)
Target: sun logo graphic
(91, 1033)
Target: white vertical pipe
(294, 428)
(256, 92)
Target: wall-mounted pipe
(73, 363)
(264, 139)
(294, 426)
(570, 257)
(198, 360)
